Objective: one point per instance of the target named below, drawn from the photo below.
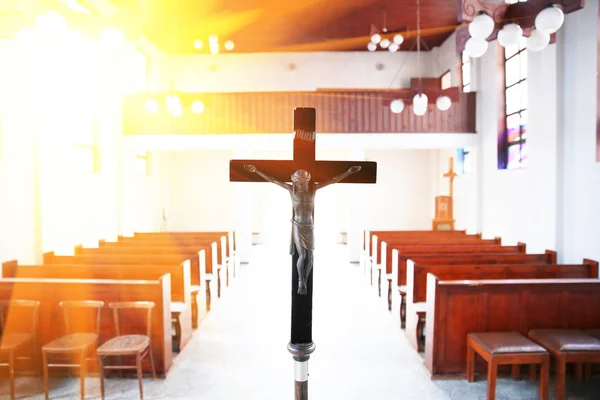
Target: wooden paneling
(365, 111)
(455, 308)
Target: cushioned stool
(506, 348)
(567, 346)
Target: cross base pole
(301, 353)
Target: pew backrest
(456, 308)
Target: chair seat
(208, 277)
(178, 307)
(389, 277)
(12, 341)
(505, 343)
(402, 289)
(420, 307)
(566, 340)
(594, 332)
(69, 343)
(124, 344)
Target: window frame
(449, 74)
(506, 145)
(146, 157)
(463, 64)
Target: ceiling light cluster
(547, 21)
(213, 44)
(384, 43)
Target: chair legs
(45, 368)
(152, 362)
(561, 372)
(470, 364)
(545, 379)
(492, 373)
(82, 365)
(138, 364)
(101, 373)
(11, 373)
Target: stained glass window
(142, 164)
(466, 72)
(513, 153)
(463, 156)
(446, 80)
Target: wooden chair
(502, 348)
(128, 345)
(76, 343)
(11, 342)
(567, 346)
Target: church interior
(142, 256)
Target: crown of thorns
(301, 175)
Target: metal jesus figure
(302, 191)
(306, 175)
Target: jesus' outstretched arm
(339, 178)
(269, 178)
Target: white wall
(402, 199)
(519, 205)
(579, 173)
(446, 58)
(552, 203)
(270, 71)
(199, 192)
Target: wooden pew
(215, 249)
(50, 292)
(397, 287)
(231, 248)
(417, 283)
(456, 308)
(382, 257)
(371, 238)
(181, 294)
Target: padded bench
(567, 346)
(507, 348)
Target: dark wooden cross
(301, 344)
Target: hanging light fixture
(510, 34)
(420, 100)
(482, 26)
(550, 19)
(538, 40)
(397, 106)
(475, 48)
(443, 103)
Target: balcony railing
(338, 111)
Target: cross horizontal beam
(321, 170)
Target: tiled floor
(239, 350)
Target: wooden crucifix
(306, 175)
(451, 175)
(444, 205)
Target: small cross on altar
(307, 175)
(450, 174)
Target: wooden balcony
(338, 111)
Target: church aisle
(239, 350)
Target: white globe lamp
(397, 106)
(398, 39)
(550, 19)
(538, 40)
(376, 38)
(443, 103)
(482, 26)
(393, 48)
(420, 104)
(475, 48)
(384, 43)
(372, 46)
(197, 107)
(509, 35)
